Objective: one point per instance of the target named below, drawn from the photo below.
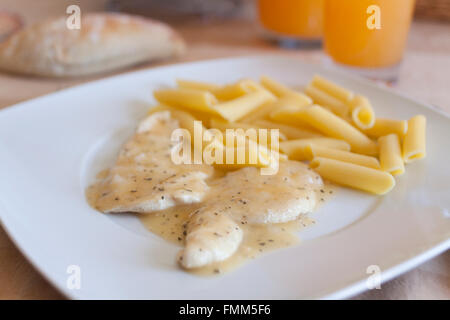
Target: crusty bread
(9, 23)
(105, 41)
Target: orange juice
(296, 18)
(351, 37)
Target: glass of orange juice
(368, 36)
(292, 21)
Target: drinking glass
(367, 36)
(294, 22)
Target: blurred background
(223, 28)
(412, 55)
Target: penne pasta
(253, 85)
(296, 149)
(339, 135)
(288, 115)
(332, 89)
(232, 91)
(236, 156)
(328, 101)
(264, 111)
(289, 131)
(261, 112)
(363, 115)
(315, 151)
(187, 99)
(383, 127)
(197, 85)
(236, 109)
(390, 154)
(352, 175)
(201, 116)
(186, 121)
(415, 140)
(335, 127)
(281, 90)
(223, 125)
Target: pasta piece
(383, 127)
(187, 98)
(296, 149)
(390, 154)
(414, 142)
(315, 151)
(197, 85)
(298, 98)
(236, 109)
(223, 125)
(238, 89)
(289, 131)
(289, 115)
(253, 85)
(240, 151)
(362, 112)
(281, 90)
(324, 99)
(204, 117)
(332, 89)
(232, 91)
(335, 127)
(265, 110)
(261, 112)
(157, 108)
(201, 116)
(352, 175)
(186, 121)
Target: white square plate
(51, 147)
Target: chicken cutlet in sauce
(220, 219)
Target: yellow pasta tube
(265, 110)
(415, 140)
(262, 112)
(315, 151)
(186, 121)
(281, 90)
(335, 127)
(253, 85)
(223, 125)
(362, 112)
(236, 109)
(383, 127)
(187, 98)
(157, 108)
(328, 101)
(332, 89)
(289, 115)
(201, 116)
(197, 85)
(232, 91)
(297, 149)
(241, 151)
(354, 176)
(390, 154)
(289, 131)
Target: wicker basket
(433, 9)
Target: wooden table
(424, 75)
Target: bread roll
(105, 42)
(9, 23)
